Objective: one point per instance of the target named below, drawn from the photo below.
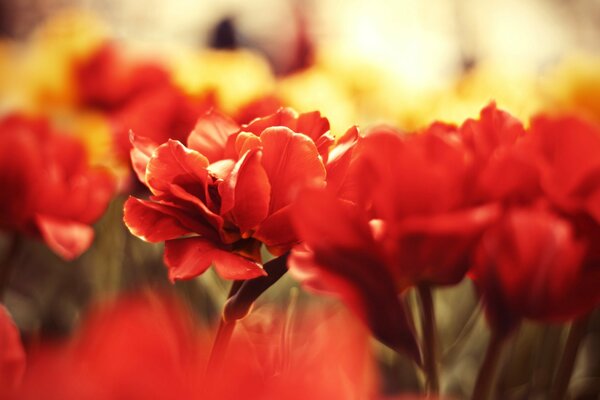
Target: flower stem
(222, 338)
(487, 372)
(429, 343)
(567, 361)
(220, 345)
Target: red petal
(245, 193)
(493, 130)
(210, 134)
(12, 355)
(339, 159)
(140, 154)
(172, 162)
(155, 222)
(292, 163)
(277, 230)
(311, 124)
(235, 267)
(246, 141)
(66, 238)
(190, 257)
(283, 117)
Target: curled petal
(140, 154)
(189, 257)
(66, 238)
(245, 193)
(292, 163)
(173, 162)
(155, 222)
(312, 124)
(210, 134)
(340, 157)
(246, 141)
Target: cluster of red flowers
(365, 217)
(379, 213)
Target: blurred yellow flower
(574, 86)
(234, 77)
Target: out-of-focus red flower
(136, 95)
(139, 347)
(320, 353)
(527, 266)
(403, 218)
(12, 356)
(148, 346)
(230, 190)
(553, 163)
(503, 169)
(567, 153)
(50, 190)
(341, 257)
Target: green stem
(487, 372)
(429, 343)
(567, 361)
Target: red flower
(12, 356)
(50, 190)
(149, 346)
(229, 191)
(555, 163)
(136, 95)
(529, 265)
(404, 220)
(138, 347)
(567, 153)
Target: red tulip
(567, 153)
(12, 356)
(528, 266)
(141, 346)
(50, 190)
(402, 218)
(230, 190)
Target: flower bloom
(540, 261)
(402, 217)
(229, 190)
(50, 190)
(527, 266)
